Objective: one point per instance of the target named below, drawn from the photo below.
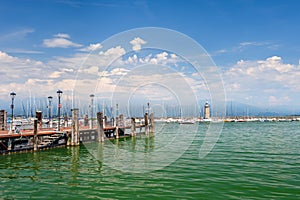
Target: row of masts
(50, 106)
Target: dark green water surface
(250, 161)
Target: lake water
(251, 160)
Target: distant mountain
(241, 109)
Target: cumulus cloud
(114, 52)
(22, 75)
(5, 58)
(159, 58)
(60, 40)
(268, 81)
(137, 43)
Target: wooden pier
(40, 138)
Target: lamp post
(59, 93)
(50, 110)
(12, 95)
(92, 110)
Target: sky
(59, 44)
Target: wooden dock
(44, 138)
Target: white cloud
(162, 56)
(270, 81)
(119, 71)
(5, 58)
(173, 56)
(159, 58)
(243, 46)
(137, 43)
(55, 74)
(133, 59)
(62, 35)
(92, 47)
(23, 75)
(18, 34)
(23, 51)
(60, 40)
(114, 51)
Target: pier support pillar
(152, 123)
(9, 144)
(105, 122)
(117, 127)
(75, 138)
(39, 116)
(35, 133)
(100, 128)
(146, 123)
(85, 120)
(133, 127)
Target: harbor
(39, 134)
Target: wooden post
(91, 123)
(75, 138)
(152, 123)
(133, 127)
(146, 123)
(35, 133)
(105, 121)
(117, 127)
(85, 120)
(39, 116)
(100, 128)
(9, 144)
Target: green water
(249, 161)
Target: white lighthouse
(206, 112)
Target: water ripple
(250, 161)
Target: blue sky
(254, 43)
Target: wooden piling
(35, 133)
(152, 123)
(117, 128)
(75, 138)
(133, 127)
(100, 128)
(9, 144)
(39, 116)
(105, 121)
(85, 120)
(91, 123)
(146, 123)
